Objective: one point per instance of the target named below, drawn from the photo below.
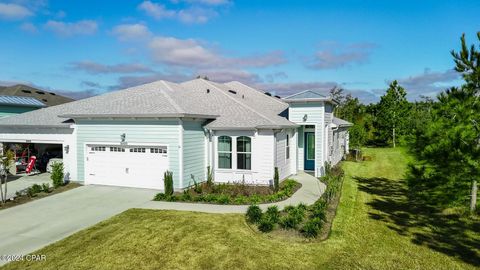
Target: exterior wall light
(305, 118)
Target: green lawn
(375, 228)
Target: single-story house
(11, 105)
(131, 137)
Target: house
(11, 105)
(21, 90)
(131, 137)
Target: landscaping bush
(276, 183)
(294, 217)
(36, 188)
(168, 183)
(46, 187)
(223, 199)
(57, 174)
(254, 213)
(318, 209)
(160, 197)
(311, 227)
(266, 224)
(273, 214)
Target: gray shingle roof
(20, 90)
(21, 101)
(167, 99)
(341, 123)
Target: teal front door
(309, 153)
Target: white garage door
(128, 166)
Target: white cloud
(157, 11)
(98, 68)
(84, 27)
(333, 55)
(29, 27)
(191, 53)
(136, 31)
(204, 2)
(189, 15)
(14, 12)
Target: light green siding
(12, 110)
(136, 131)
(193, 152)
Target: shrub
(36, 188)
(46, 187)
(185, 196)
(240, 200)
(168, 182)
(288, 222)
(311, 227)
(266, 224)
(254, 213)
(209, 176)
(223, 199)
(273, 214)
(57, 174)
(276, 183)
(318, 209)
(159, 197)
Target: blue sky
(83, 48)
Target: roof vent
(277, 96)
(26, 91)
(268, 94)
(208, 91)
(44, 100)
(53, 94)
(40, 92)
(243, 96)
(232, 91)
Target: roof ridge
(258, 91)
(241, 103)
(167, 96)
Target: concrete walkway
(310, 191)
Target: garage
(130, 166)
(38, 155)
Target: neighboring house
(48, 98)
(11, 105)
(131, 137)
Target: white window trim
(234, 154)
(225, 152)
(287, 147)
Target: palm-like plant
(6, 159)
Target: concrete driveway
(28, 227)
(22, 182)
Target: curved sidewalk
(310, 191)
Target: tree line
(442, 133)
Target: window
(224, 152)
(159, 150)
(310, 146)
(98, 148)
(244, 153)
(117, 149)
(287, 148)
(137, 150)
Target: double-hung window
(224, 152)
(287, 147)
(244, 153)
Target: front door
(309, 153)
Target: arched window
(244, 153)
(224, 152)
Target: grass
(25, 199)
(375, 228)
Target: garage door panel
(132, 166)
